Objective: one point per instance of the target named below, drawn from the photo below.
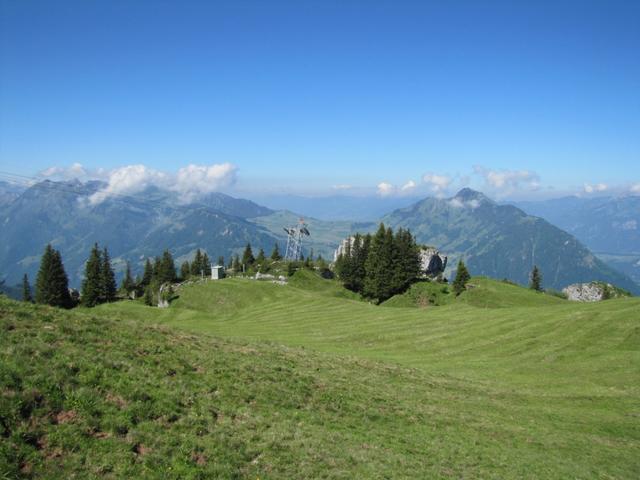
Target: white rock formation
(585, 292)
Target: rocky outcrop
(589, 292)
(432, 263)
(342, 248)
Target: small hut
(217, 272)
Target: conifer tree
(221, 261)
(536, 279)
(108, 279)
(377, 284)
(247, 257)
(26, 290)
(52, 284)
(196, 265)
(185, 270)
(92, 283)
(157, 269)
(206, 265)
(147, 276)
(261, 258)
(237, 267)
(128, 284)
(166, 268)
(406, 260)
(462, 277)
(275, 253)
(148, 296)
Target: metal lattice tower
(294, 240)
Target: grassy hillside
(301, 381)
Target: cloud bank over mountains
(193, 181)
(188, 182)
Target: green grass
(308, 381)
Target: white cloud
(598, 187)
(386, 189)
(129, 180)
(342, 187)
(189, 182)
(635, 188)
(195, 180)
(505, 182)
(438, 184)
(75, 171)
(408, 187)
(456, 203)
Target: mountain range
(500, 241)
(608, 226)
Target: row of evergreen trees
(99, 284)
(381, 265)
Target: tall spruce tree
(128, 284)
(185, 270)
(26, 289)
(206, 265)
(196, 265)
(378, 284)
(462, 277)
(536, 279)
(52, 283)
(166, 268)
(108, 278)
(247, 257)
(147, 276)
(275, 253)
(406, 260)
(92, 283)
(221, 261)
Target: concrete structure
(217, 272)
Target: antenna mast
(294, 240)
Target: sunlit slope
(97, 394)
(483, 334)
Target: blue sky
(517, 98)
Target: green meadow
(248, 379)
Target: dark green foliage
(52, 284)
(148, 296)
(128, 284)
(261, 258)
(275, 253)
(206, 265)
(26, 289)
(291, 268)
(380, 266)
(92, 283)
(247, 257)
(462, 277)
(536, 279)
(147, 276)
(185, 270)
(197, 265)
(221, 261)
(607, 294)
(406, 261)
(166, 270)
(108, 278)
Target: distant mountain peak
(468, 194)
